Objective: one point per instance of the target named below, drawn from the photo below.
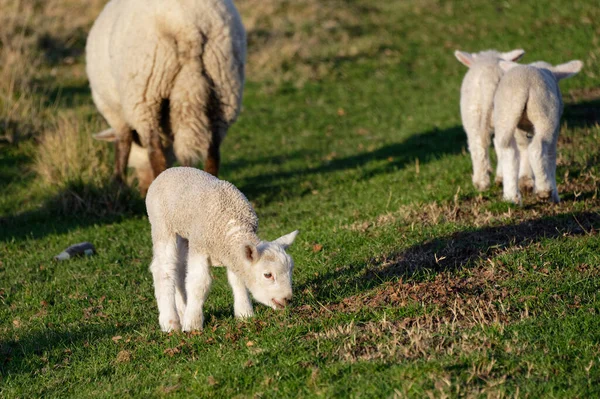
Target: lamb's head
(561, 71)
(468, 59)
(270, 276)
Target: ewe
(476, 103)
(527, 110)
(200, 221)
(167, 76)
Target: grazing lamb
(200, 221)
(168, 77)
(476, 104)
(527, 110)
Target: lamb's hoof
(526, 184)
(548, 196)
(170, 325)
(192, 325)
(513, 199)
(498, 180)
(482, 185)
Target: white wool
(527, 110)
(171, 68)
(476, 104)
(200, 221)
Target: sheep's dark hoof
(498, 181)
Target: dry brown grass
(67, 153)
(302, 40)
(35, 34)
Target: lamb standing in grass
(476, 104)
(167, 76)
(527, 110)
(197, 221)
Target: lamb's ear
(567, 70)
(106, 135)
(251, 253)
(513, 55)
(465, 58)
(507, 65)
(287, 240)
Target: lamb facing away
(476, 104)
(167, 76)
(200, 221)
(527, 110)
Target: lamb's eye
(268, 275)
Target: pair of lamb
(168, 77)
(522, 104)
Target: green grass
(408, 282)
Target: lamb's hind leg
(508, 156)
(525, 171)
(180, 293)
(542, 156)
(197, 285)
(479, 143)
(242, 305)
(164, 272)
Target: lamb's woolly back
(213, 214)
(527, 110)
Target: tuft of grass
(77, 168)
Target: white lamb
(476, 104)
(167, 76)
(527, 110)
(200, 221)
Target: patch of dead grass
(302, 40)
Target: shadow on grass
(425, 147)
(583, 113)
(47, 350)
(77, 205)
(455, 251)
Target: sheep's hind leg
(122, 150)
(242, 305)
(164, 272)
(197, 285)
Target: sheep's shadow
(454, 251)
(425, 147)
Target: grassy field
(408, 282)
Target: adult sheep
(168, 78)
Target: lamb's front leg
(242, 305)
(197, 285)
(182, 259)
(164, 272)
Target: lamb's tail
(509, 107)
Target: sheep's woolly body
(200, 221)
(476, 105)
(527, 110)
(176, 67)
